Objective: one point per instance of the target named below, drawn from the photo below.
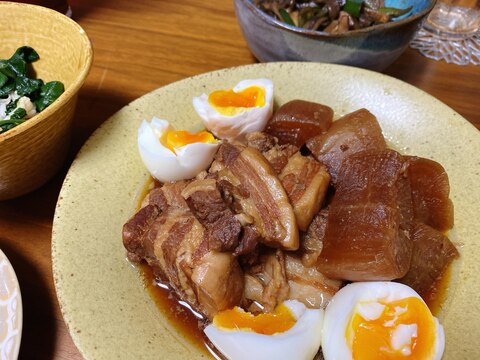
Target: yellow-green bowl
(31, 153)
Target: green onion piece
(394, 12)
(353, 7)
(286, 17)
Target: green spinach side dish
(21, 97)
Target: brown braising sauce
(436, 295)
(178, 315)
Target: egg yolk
(176, 139)
(375, 338)
(229, 102)
(280, 320)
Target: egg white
(340, 309)
(300, 342)
(162, 163)
(238, 125)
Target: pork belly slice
(311, 242)
(175, 244)
(258, 193)
(298, 120)
(430, 193)
(279, 276)
(307, 284)
(277, 155)
(135, 233)
(205, 201)
(306, 182)
(353, 133)
(432, 254)
(266, 284)
(369, 221)
(304, 179)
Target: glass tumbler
(454, 19)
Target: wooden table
(139, 46)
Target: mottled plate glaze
(11, 314)
(102, 297)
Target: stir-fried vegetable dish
(332, 16)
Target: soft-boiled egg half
(291, 332)
(380, 320)
(230, 114)
(171, 155)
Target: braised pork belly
(353, 133)
(277, 155)
(298, 120)
(262, 196)
(205, 201)
(312, 240)
(174, 243)
(368, 231)
(432, 254)
(304, 179)
(430, 193)
(306, 182)
(268, 222)
(307, 284)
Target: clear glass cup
(454, 19)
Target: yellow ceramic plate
(108, 312)
(11, 314)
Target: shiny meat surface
(175, 244)
(306, 182)
(312, 240)
(258, 193)
(277, 155)
(206, 203)
(432, 253)
(369, 221)
(281, 275)
(261, 141)
(304, 179)
(353, 133)
(135, 233)
(297, 121)
(430, 193)
(266, 284)
(307, 284)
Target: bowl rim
(77, 82)
(322, 34)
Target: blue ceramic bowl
(374, 47)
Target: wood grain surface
(139, 46)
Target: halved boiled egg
(230, 114)
(380, 320)
(171, 155)
(291, 332)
